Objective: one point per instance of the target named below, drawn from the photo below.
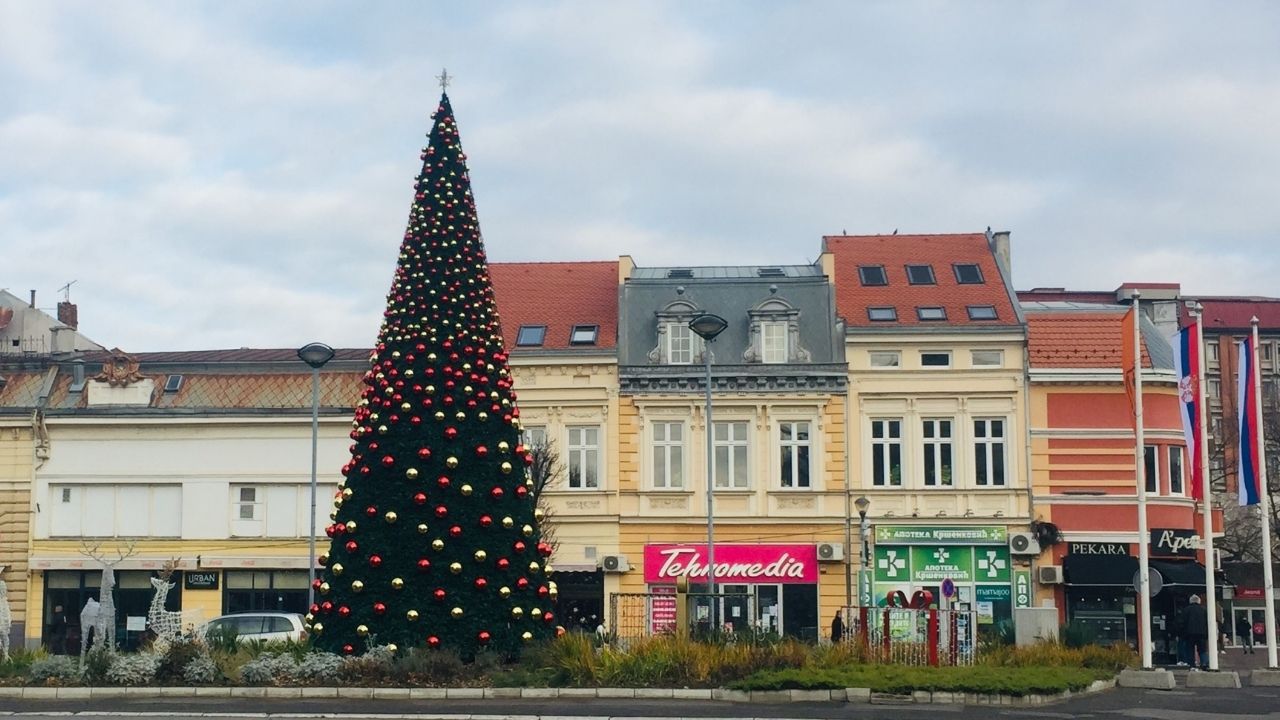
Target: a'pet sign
(1174, 543)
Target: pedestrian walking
(837, 629)
(1195, 621)
(1244, 629)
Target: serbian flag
(1186, 365)
(1247, 407)
(1129, 358)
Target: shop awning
(1185, 573)
(1096, 570)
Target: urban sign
(200, 580)
(1166, 542)
(922, 535)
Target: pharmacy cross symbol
(992, 564)
(941, 555)
(892, 563)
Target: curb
(845, 695)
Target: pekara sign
(1166, 542)
(791, 564)
(951, 535)
(1117, 549)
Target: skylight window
(679, 273)
(920, 275)
(931, 313)
(531, 335)
(872, 275)
(172, 383)
(584, 334)
(981, 312)
(968, 273)
(770, 272)
(882, 314)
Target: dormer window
(531, 335)
(968, 273)
(882, 314)
(773, 342)
(981, 312)
(920, 275)
(584, 334)
(774, 333)
(931, 313)
(872, 275)
(677, 344)
(173, 383)
(682, 344)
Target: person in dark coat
(1244, 629)
(58, 631)
(1195, 621)
(837, 629)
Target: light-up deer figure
(6, 618)
(166, 624)
(100, 614)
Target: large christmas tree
(435, 539)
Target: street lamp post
(316, 355)
(707, 327)
(864, 583)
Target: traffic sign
(1155, 581)
(949, 588)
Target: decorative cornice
(824, 378)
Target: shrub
(423, 665)
(902, 679)
(1076, 634)
(93, 669)
(224, 638)
(318, 668)
(176, 657)
(56, 668)
(201, 670)
(20, 661)
(268, 669)
(136, 669)
(371, 667)
(1112, 658)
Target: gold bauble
(517, 612)
(534, 612)
(411, 616)
(451, 462)
(504, 591)
(334, 514)
(437, 544)
(482, 416)
(347, 493)
(431, 357)
(397, 584)
(504, 446)
(411, 473)
(455, 567)
(526, 636)
(480, 556)
(357, 586)
(405, 407)
(422, 528)
(337, 568)
(508, 523)
(351, 526)
(460, 416)
(439, 415)
(527, 530)
(456, 612)
(534, 567)
(317, 628)
(391, 516)
(309, 618)
(538, 514)
(324, 558)
(324, 588)
(430, 389)
(465, 490)
(392, 647)
(506, 467)
(396, 353)
(408, 372)
(362, 630)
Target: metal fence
(910, 636)
(640, 615)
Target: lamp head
(862, 503)
(707, 326)
(315, 354)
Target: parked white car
(265, 626)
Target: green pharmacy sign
(924, 535)
(931, 564)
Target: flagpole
(1140, 472)
(1264, 504)
(1206, 492)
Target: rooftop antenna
(66, 290)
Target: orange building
(1084, 472)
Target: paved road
(1117, 704)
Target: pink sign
(734, 563)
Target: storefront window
(67, 591)
(271, 590)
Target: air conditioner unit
(1023, 544)
(830, 552)
(1049, 575)
(614, 563)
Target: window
(115, 510)
(987, 358)
(247, 504)
(967, 273)
(1214, 389)
(920, 274)
(981, 312)
(931, 313)
(533, 436)
(584, 334)
(681, 273)
(1211, 348)
(531, 335)
(668, 455)
(173, 383)
(1175, 471)
(988, 451)
(886, 452)
(66, 494)
(885, 358)
(793, 442)
(937, 452)
(882, 314)
(1264, 350)
(682, 344)
(773, 342)
(584, 457)
(770, 272)
(935, 359)
(1150, 470)
(730, 455)
(872, 275)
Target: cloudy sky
(238, 174)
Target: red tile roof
(895, 252)
(1077, 339)
(1233, 313)
(558, 295)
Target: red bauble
(481, 451)
(438, 594)
(455, 531)
(548, 617)
(388, 461)
(485, 521)
(441, 511)
(503, 563)
(522, 583)
(496, 493)
(420, 498)
(352, 546)
(433, 641)
(544, 549)
(424, 453)
(483, 637)
(371, 511)
(314, 609)
(442, 481)
(424, 565)
(481, 583)
(344, 611)
(521, 491)
(326, 606)
(543, 591)
(450, 432)
(379, 608)
(348, 649)
(375, 560)
(519, 546)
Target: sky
(238, 174)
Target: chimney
(1000, 246)
(67, 314)
(33, 298)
